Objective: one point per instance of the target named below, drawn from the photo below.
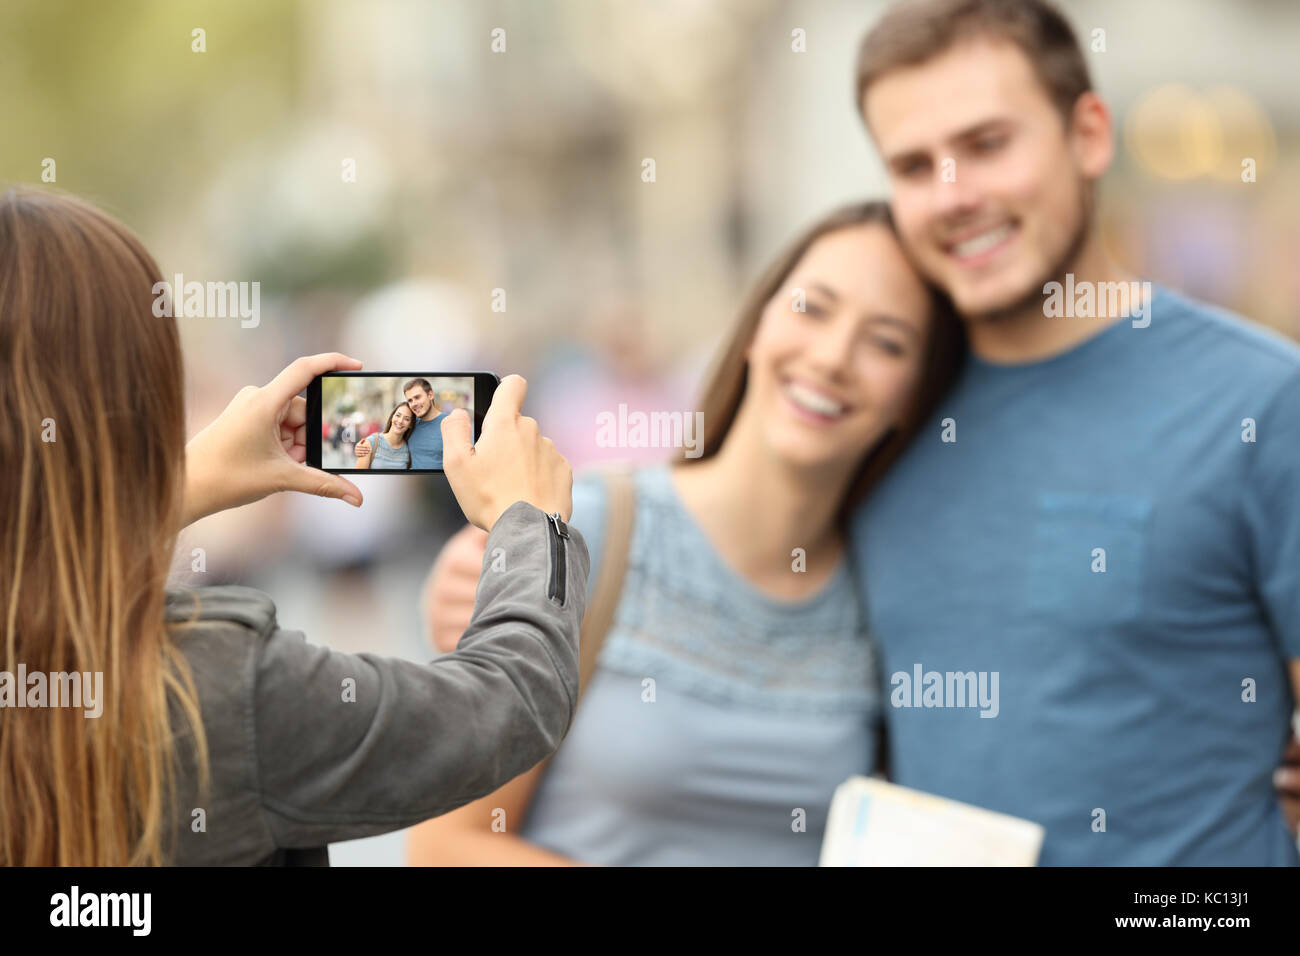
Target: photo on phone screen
(385, 422)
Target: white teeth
(983, 242)
(813, 401)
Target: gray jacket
(308, 746)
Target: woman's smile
(813, 404)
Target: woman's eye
(889, 345)
(815, 310)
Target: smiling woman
(765, 678)
(855, 246)
(387, 448)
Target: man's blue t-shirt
(1102, 535)
(425, 442)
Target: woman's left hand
(258, 445)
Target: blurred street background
(497, 215)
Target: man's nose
(953, 194)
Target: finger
(313, 481)
(466, 538)
(446, 639)
(1291, 811)
(1287, 781)
(457, 436)
(507, 399)
(296, 416)
(463, 572)
(300, 372)
(450, 609)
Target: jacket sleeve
(352, 745)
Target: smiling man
(1106, 510)
(425, 441)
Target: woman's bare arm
(466, 836)
(363, 452)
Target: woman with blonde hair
(222, 738)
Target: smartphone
(388, 423)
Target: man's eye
(815, 310)
(986, 144)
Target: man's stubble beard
(1033, 296)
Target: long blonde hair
(92, 463)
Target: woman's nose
(832, 346)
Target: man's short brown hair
(914, 31)
(422, 382)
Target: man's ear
(1092, 135)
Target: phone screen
(387, 422)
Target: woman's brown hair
(944, 352)
(409, 428)
(92, 454)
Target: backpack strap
(620, 512)
(620, 515)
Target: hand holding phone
(512, 460)
(258, 445)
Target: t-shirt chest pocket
(1087, 559)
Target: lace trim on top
(690, 622)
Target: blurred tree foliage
(87, 83)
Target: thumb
(457, 435)
(313, 481)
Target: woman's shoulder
(590, 486)
(653, 494)
(225, 604)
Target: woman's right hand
(512, 461)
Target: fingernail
(353, 500)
